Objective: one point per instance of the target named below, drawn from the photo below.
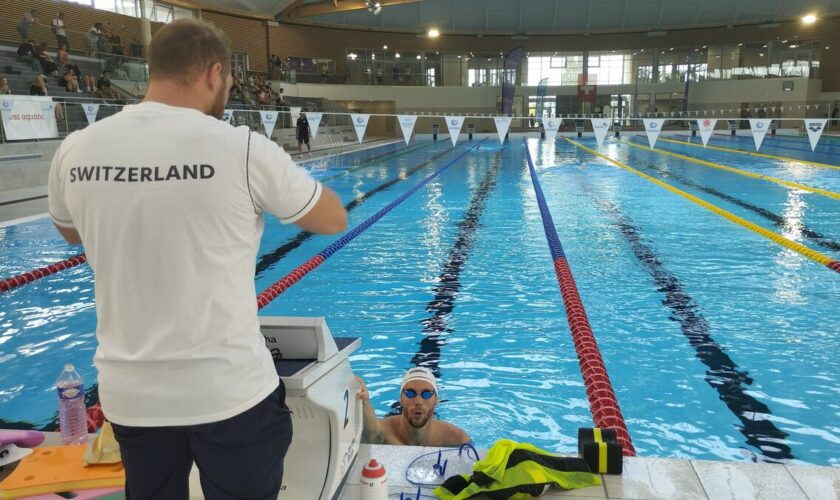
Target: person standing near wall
(25, 24)
(167, 200)
(60, 31)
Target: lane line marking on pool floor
(745, 173)
(753, 153)
(801, 249)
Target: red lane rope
(602, 401)
(22, 279)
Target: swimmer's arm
(69, 234)
(372, 431)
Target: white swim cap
(418, 373)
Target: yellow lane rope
(752, 153)
(774, 237)
(745, 173)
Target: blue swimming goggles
(411, 393)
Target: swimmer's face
(418, 411)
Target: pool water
(719, 343)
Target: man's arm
(69, 234)
(328, 216)
(372, 430)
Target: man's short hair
(183, 47)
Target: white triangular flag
(454, 124)
(759, 128)
(707, 128)
(653, 126)
(91, 110)
(502, 126)
(551, 125)
(600, 126)
(360, 121)
(227, 115)
(5, 108)
(815, 127)
(269, 121)
(407, 123)
(314, 121)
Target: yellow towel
(104, 449)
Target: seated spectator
(26, 53)
(62, 57)
(4, 86)
(71, 80)
(39, 88)
(416, 425)
(47, 64)
(103, 87)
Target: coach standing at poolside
(167, 200)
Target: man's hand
(363, 392)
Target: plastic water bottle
(374, 482)
(72, 414)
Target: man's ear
(213, 75)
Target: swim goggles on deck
(411, 393)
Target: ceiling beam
(333, 6)
(292, 6)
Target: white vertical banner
(294, 112)
(653, 126)
(407, 123)
(28, 117)
(269, 121)
(815, 127)
(91, 110)
(600, 126)
(454, 124)
(502, 126)
(707, 128)
(314, 122)
(759, 128)
(551, 126)
(227, 115)
(360, 121)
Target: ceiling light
(793, 46)
(809, 19)
(373, 7)
(384, 47)
(433, 33)
(784, 41)
(397, 55)
(418, 56)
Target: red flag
(586, 92)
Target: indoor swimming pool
(720, 342)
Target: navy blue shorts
(241, 457)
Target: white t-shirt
(58, 26)
(168, 204)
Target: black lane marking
(777, 220)
(267, 260)
(723, 374)
(22, 200)
(449, 281)
(449, 284)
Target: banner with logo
(28, 117)
(815, 127)
(653, 126)
(91, 110)
(706, 126)
(314, 122)
(600, 126)
(227, 115)
(269, 121)
(502, 126)
(759, 128)
(407, 123)
(454, 124)
(551, 126)
(360, 121)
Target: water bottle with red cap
(374, 482)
